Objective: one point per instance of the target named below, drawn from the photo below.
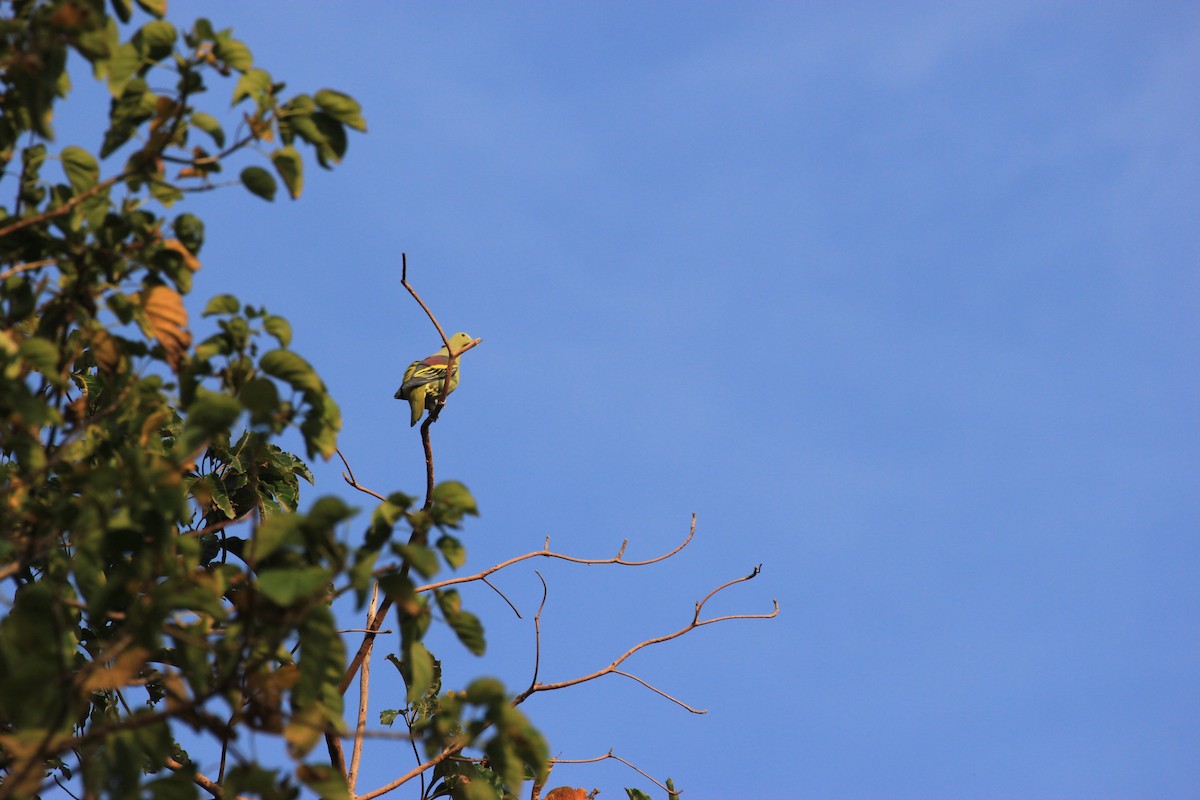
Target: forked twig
(348, 477)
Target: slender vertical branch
(364, 685)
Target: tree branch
(546, 552)
(45, 262)
(364, 686)
(65, 208)
(612, 668)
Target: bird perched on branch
(423, 379)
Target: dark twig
(503, 597)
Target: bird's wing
(428, 370)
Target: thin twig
(348, 477)
(503, 597)
(658, 691)
(537, 631)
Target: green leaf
(40, 354)
(290, 167)
(399, 589)
(423, 560)
(342, 107)
(234, 53)
(259, 182)
(278, 531)
(331, 145)
(209, 125)
(284, 586)
(123, 9)
(292, 369)
(155, 40)
(122, 66)
(485, 692)
(189, 229)
(279, 328)
(452, 550)
(417, 669)
(451, 500)
(637, 794)
(222, 304)
(388, 716)
(252, 84)
(156, 7)
(81, 167)
(464, 624)
(212, 413)
(261, 399)
(326, 782)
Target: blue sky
(900, 299)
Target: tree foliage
(159, 576)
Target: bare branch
(615, 757)
(612, 668)
(364, 686)
(65, 208)
(45, 262)
(545, 552)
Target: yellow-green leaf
(290, 167)
(156, 7)
(81, 167)
(235, 54)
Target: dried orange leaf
(168, 321)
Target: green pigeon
(423, 379)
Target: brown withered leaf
(168, 321)
(104, 350)
(567, 793)
(123, 670)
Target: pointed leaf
(156, 7)
(292, 369)
(290, 167)
(209, 125)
